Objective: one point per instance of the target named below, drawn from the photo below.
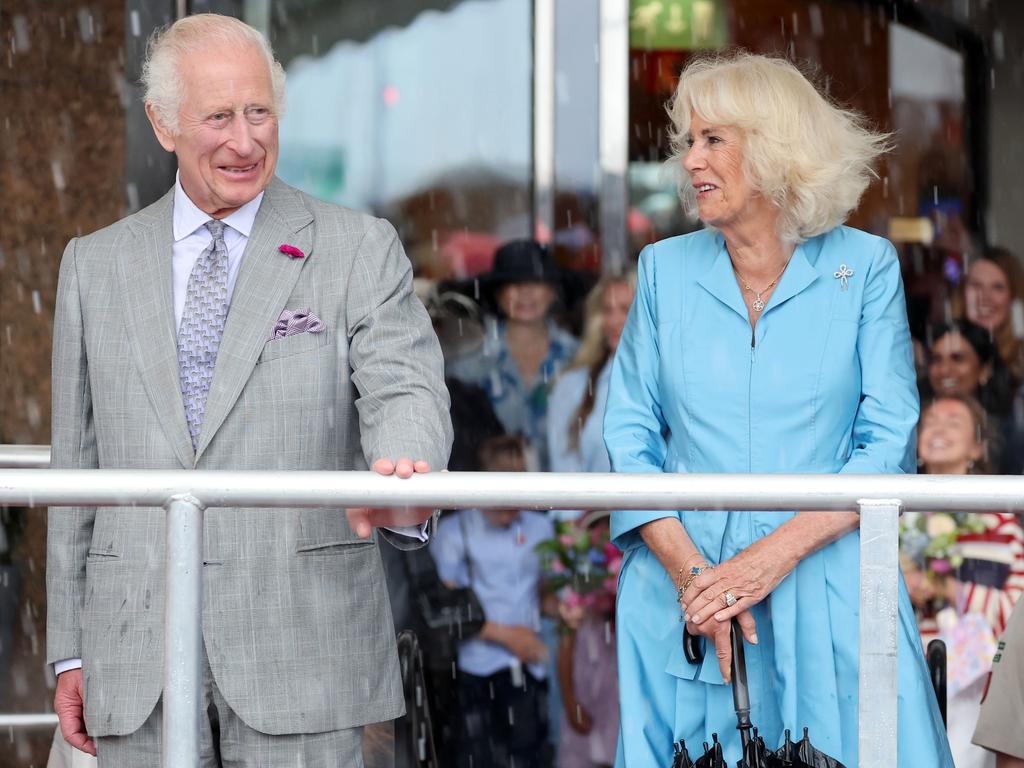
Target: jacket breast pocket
(293, 345)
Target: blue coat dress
(825, 383)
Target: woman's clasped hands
(718, 594)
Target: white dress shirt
(191, 238)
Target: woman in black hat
(523, 349)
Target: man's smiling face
(227, 141)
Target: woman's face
(988, 296)
(714, 162)
(948, 436)
(525, 302)
(954, 367)
(614, 310)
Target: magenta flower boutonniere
(291, 251)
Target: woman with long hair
(586, 652)
(576, 404)
(991, 292)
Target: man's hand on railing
(364, 519)
(68, 703)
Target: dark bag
(450, 615)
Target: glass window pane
(426, 123)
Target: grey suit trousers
(225, 740)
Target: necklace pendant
(758, 304)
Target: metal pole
(544, 120)
(613, 131)
(183, 633)
(24, 456)
(495, 490)
(34, 720)
(879, 619)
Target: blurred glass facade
(422, 111)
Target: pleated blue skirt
(802, 672)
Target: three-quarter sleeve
(634, 425)
(884, 428)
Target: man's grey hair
(161, 79)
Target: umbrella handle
(693, 648)
(937, 670)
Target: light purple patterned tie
(202, 325)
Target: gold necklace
(758, 302)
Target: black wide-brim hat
(522, 261)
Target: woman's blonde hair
(593, 351)
(806, 155)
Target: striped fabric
(1002, 542)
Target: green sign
(678, 25)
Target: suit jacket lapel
(144, 273)
(265, 281)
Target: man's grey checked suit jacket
(295, 617)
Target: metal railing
(186, 494)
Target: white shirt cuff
(418, 532)
(66, 665)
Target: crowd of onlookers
(536, 685)
(965, 572)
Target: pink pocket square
(295, 321)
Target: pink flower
(567, 540)
(572, 599)
(557, 566)
(291, 251)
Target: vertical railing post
(183, 633)
(544, 121)
(613, 133)
(879, 592)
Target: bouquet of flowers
(581, 566)
(929, 539)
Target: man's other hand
(68, 703)
(364, 519)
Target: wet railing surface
(186, 494)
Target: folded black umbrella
(756, 754)
(682, 758)
(713, 757)
(789, 754)
(811, 756)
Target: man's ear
(162, 134)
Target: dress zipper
(750, 411)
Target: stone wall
(61, 174)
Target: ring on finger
(729, 598)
